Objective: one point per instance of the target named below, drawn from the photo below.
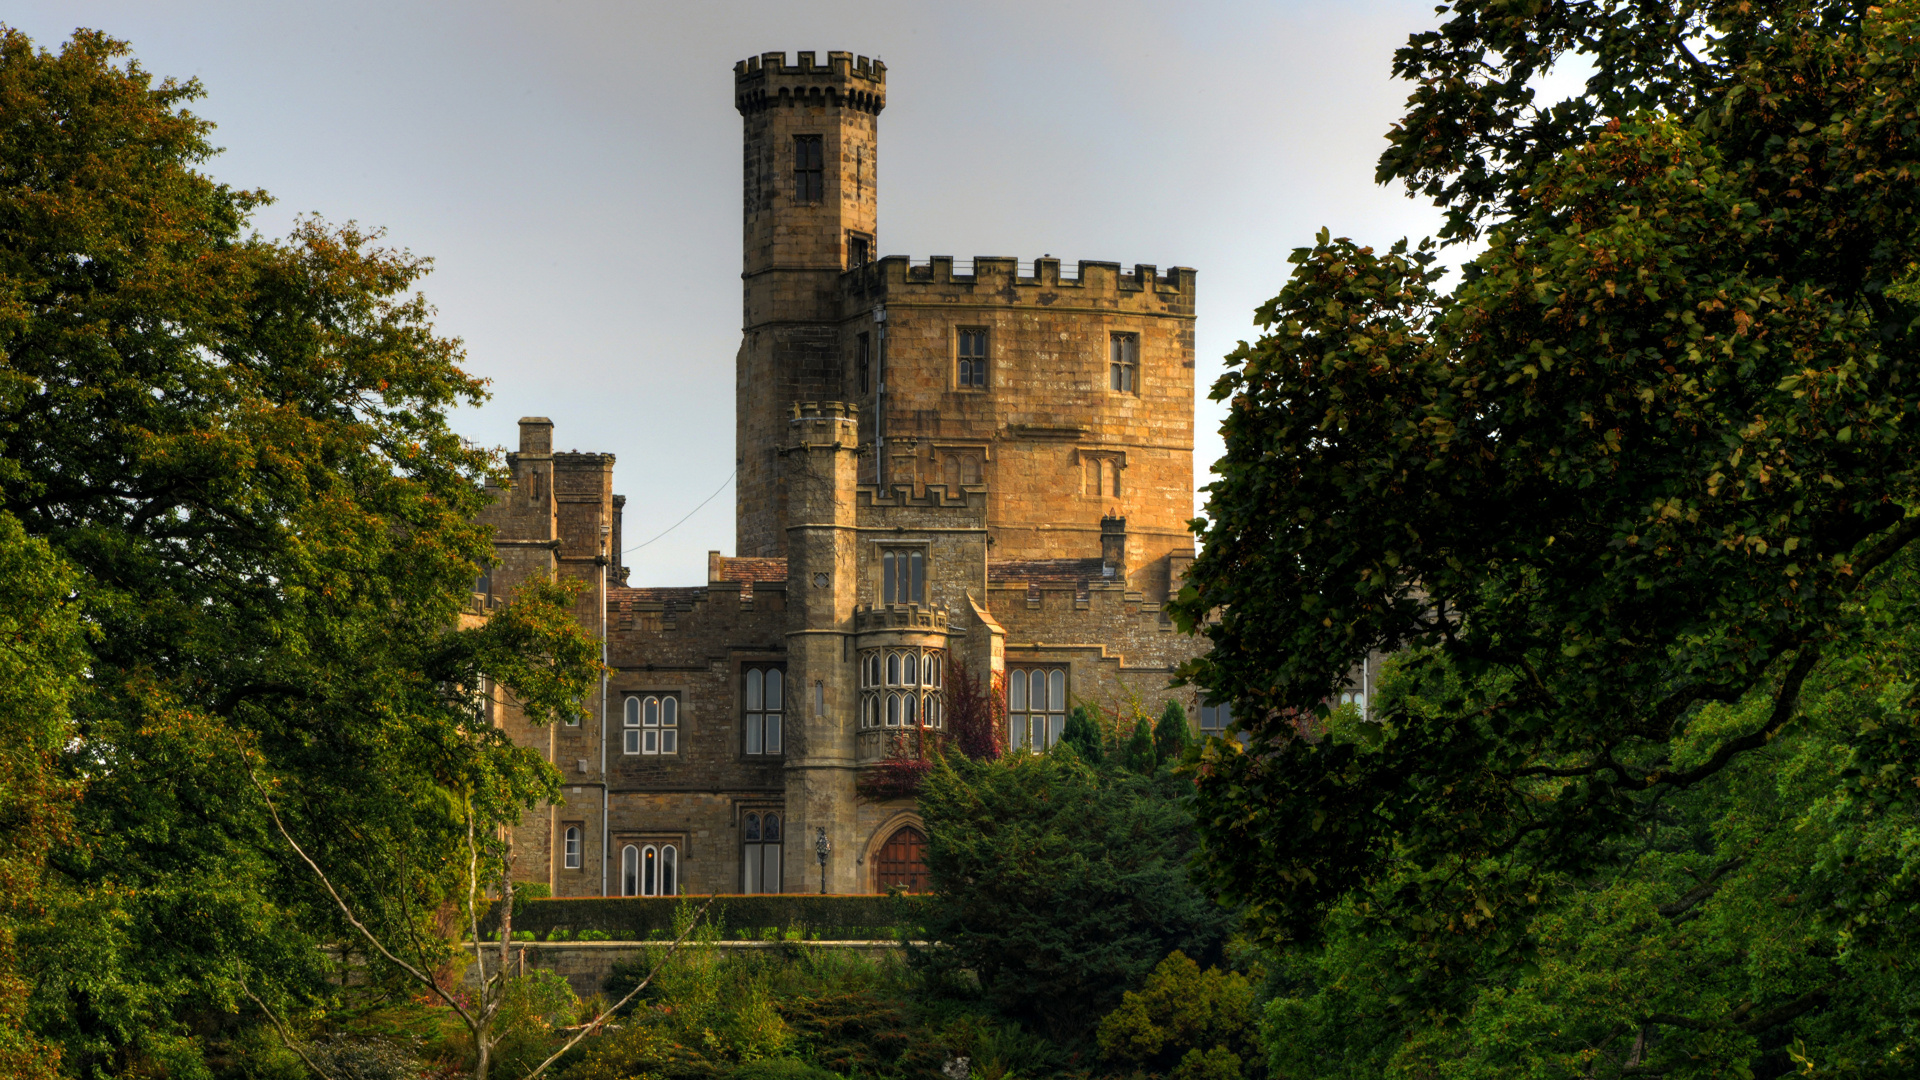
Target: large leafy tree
(1630, 487)
(238, 447)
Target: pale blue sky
(573, 167)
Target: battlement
(844, 81)
(900, 617)
(897, 276)
(939, 496)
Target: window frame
(756, 850)
(902, 688)
(886, 587)
(809, 170)
(757, 719)
(650, 733)
(1123, 362)
(970, 367)
(863, 361)
(1052, 715)
(572, 845)
(859, 244)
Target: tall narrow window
(669, 871)
(650, 871)
(762, 700)
(573, 847)
(1124, 364)
(859, 250)
(809, 169)
(630, 871)
(903, 576)
(651, 724)
(970, 371)
(863, 361)
(1036, 707)
(760, 853)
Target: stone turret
(810, 203)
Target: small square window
(651, 725)
(970, 365)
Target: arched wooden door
(902, 862)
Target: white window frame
(903, 688)
(1027, 726)
(650, 723)
(570, 858)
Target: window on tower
(859, 250)
(970, 372)
(863, 361)
(809, 169)
(1123, 369)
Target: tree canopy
(237, 451)
(1624, 496)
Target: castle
(989, 470)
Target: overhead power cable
(690, 513)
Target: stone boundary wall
(586, 964)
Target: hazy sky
(573, 168)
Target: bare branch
(418, 976)
(281, 1028)
(594, 1024)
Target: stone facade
(989, 470)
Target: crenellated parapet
(874, 617)
(896, 279)
(767, 81)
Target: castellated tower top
(844, 81)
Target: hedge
(749, 917)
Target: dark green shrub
(780, 1069)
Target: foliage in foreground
(235, 453)
(1635, 495)
(1059, 885)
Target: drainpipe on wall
(606, 568)
(880, 397)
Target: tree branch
(430, 983)
(281, 1028)
(594, 1024)
(1701, 891)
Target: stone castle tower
(985, 467)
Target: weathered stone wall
(1056, 447)
(794, 253)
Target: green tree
(1627, 492)
(1059, 885)
(240, 448)
(1082, 732)
(41, 660)
(1141, 757)
(1179, 1017)
(1171, 736)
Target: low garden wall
(759, 917)
(586, 964)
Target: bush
(780, 1069)
(1181, 1011)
